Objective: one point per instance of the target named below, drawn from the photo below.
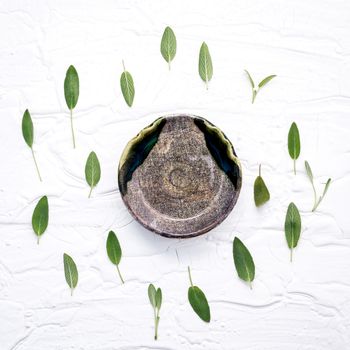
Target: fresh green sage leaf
(309, 171)
(243, 261)
(114, 251)
(261, 193)
(205, 65)
(155, 298)
(127, 86)
(27, 128)
(70, 272)
(71, 93)
(250, 79)
(294, 143)
(326, 187)
(92, 171)
(266, 80)
(292, 227)
(168, 45)
(40, 218)
(152, 295)
(198, 301)
(28, 135)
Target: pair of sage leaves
(263, 82)
(155, 298)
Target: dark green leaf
(243, 261)
(152, 295)
(158, 298)
(92, 170)
(27, 128)
(205, 66)
(199, 303)
(113, 248)
(168, 45)
(294, 141)
(292, 227)
(266, 80)
(70, 272)
(40, 218)
(127, 86)
(261, 193)
(71, 87)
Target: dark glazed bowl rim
(219, 219)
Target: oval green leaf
(158, 298)
(114, 250)
(199, 303)
(261, 192)
(92, 171)
(152, 295)
(309, 171)
(70, 272)
(27, 128)
(292, 227)
(294, 143)
(205, 65)
(71, 87)
(40, 218)
(168, 45)
(127, 86)
(266, 80)
(243, 261)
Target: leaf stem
(169, 64)
(189, 275)
(254, 95)
(295, 172)
(90, 192)
(121, 278)
(291, 254)
(157, 318)
(315, 196)
(38, 239)
(71, 292)
(260, 170)
(36, 165)
(206, 84)
(250, 285)
(123, 65)
(71, 126)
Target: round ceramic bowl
(180, 176)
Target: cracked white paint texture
(304, 305)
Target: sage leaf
(28, 135)
(114, 251)
(292, 227)
(198, 300)
(266, 80)
(71, 93)
(70, 272)
(168, 45)
(261, 193)
(155, 298)
(127, 86)
(309, 171)
(294, 143)
(260, 85)
(92, 171)
(40, 218)
(205, 65)
(326, 187)
(243, 261)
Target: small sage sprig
(127, 86)
(114, 251)
(317, 200)
(198, 300)
(155, 298)
(70, 272)
(28, 135)
(263, 82)
(92, 171)
(261, 193)
(243, 261)
(168, 45)
(205, 65)
(292, 227)
(71, 93)
(40, 218)
(294, 144)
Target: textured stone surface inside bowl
(180, 176)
